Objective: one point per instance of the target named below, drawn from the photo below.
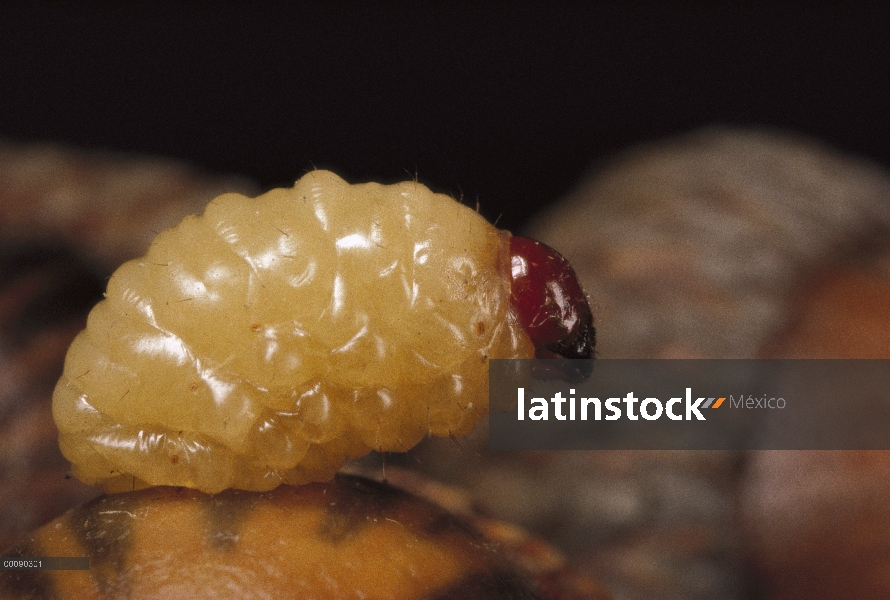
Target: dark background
(508, 104)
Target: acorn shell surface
(348, 538)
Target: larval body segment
(270, 339)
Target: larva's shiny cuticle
(270, 339)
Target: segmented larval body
(270, 339)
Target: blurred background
(507, 104)
(718, 176)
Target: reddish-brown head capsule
(551, 304)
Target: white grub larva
(268, 340)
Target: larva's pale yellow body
(270, 339)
